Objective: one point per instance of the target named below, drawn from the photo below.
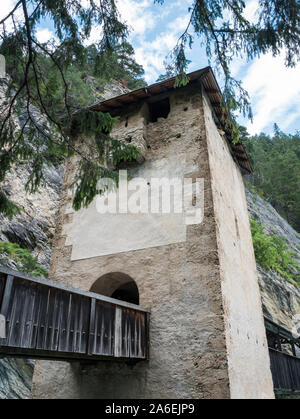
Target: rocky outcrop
(280, 298)
(15, 378)
(33, 229)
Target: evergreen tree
(276, 170)
(45, 88)
(118, 63)
(224, 29)
(221, 25)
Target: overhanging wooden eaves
(209, 82)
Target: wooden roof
(213, 91)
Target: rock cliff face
(34, 229)
(280, 298)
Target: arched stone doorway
(117, 285)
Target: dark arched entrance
(117, 285)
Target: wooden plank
(133, 343)
(285, 371)
(140, 348)
(29, 307)
(109, 323)
(5, 305)
(40, 301)
(63, 345)
(76, 323)
(118, 333)
(126, 332)
(84, 324)
(2, 285)
(104, 329)
(16, 321)
(136, 335)
(71, 325)
(42, 319)
(6, 294)
(91, 338)
(67, 288)
(52, 322)
(50, 319)
(56, 319)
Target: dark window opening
(159, 110)
(127, 292)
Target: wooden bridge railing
(285, 371)
(41, 319)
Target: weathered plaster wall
(179, 282)
(92, 233)
(248, 358)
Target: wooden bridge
(285, 371)
(41, 319)
(284, 349)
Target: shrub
(272, 253)
(24, 260)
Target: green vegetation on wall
(276, 171)
(25, 261)
(272, 253)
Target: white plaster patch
(92, 234)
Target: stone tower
(198, 278)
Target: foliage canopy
(45, 86)
(49, 82)
(25, 261)
(226, 31)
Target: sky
(274, 89)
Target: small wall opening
(159, 109)
(117, 285)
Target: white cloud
(6, 7)
(152, 54)
(251, 11)
(137, 14)
(143, 18)
(44, 35)
(179, 24)
(274, 90)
